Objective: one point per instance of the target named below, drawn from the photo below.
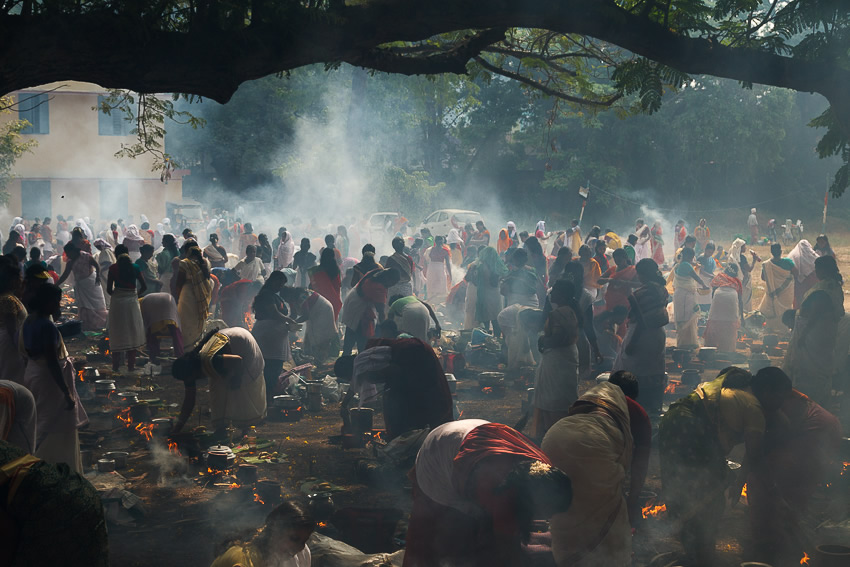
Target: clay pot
(832, 556)
(361, 420)
(247, 474)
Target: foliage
(412, 192)
(582, 55)
(12, 146)
(147, 113)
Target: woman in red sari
(325, 279)
(477, 487)
(657, 243)
(622, 280)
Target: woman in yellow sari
(593, 446)
(778, 275)
(194, 291)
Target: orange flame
(172, 448)
(805, 559)
(248, 319)
(80, 374)
(257, 498)
(145, 430)
(653, 511)
(744, 491)
(487, 390)
(322, 525)
(124, 417)
(234, 485)
(846, 468)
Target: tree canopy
(589, 52)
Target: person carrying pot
(232, 362)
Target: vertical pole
(825, 201)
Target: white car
(380, 226)
(442, 221)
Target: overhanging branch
(544, 88)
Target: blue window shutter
(34, 108)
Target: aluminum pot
(128, 398)
(491, 379)
(120, 458)
(90, 373)
(286, 402)
(770, 340)
(104, 387)
(162, 426)
(707, 354)
(105, 465)
(220, 457)
(452, 382)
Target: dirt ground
(185, 515)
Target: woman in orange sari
(325, 279)
(504, 243)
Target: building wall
(77, 161)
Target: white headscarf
(83, 225)
(541, 226)
(20, 229)
(132, 233)
(735, 253)
(804, 257)
(15, 222)
(454, 236)
(753, 211)
(285, 250)
(511, 229)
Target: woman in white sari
(285, 252)
(685, 308)
(50, 377)
(438, 271)
(803, 255)
(593, 446)
(105, 257)
(643, 247)
(88, 294)
(321, 337)
(125, 284)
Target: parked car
(441, 221)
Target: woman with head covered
(593, 446)
(477, 488)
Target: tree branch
(544, 88)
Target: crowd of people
(573, 306)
